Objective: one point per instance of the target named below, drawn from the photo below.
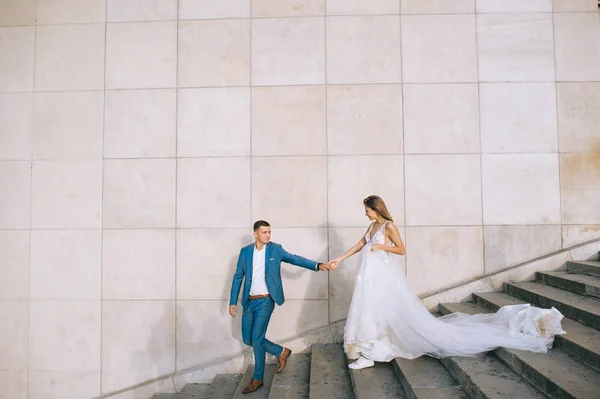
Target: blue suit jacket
(273, 257)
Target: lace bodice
(378, 237)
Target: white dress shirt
(259, 285)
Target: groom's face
(263, 234)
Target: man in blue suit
(259, 265)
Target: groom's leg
(247, 321)
(262, 314)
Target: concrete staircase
(569, 370)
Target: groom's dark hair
(260, 223)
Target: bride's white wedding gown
(387, 319)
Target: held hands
(330, 266)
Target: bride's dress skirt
(387, 320)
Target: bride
(387, 319)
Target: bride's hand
(334, 264)
(376, 247)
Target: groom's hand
(232, 310)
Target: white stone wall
(139, 139)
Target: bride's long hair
(376, 203)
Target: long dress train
(387, 319)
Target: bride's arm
(354, 249)
(394, 236)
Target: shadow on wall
(156, 357)
(306, 319)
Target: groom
(260, 264)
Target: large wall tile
(362, 7)
(439, 48)
(66, 195)
(16, 62)
(138, 264)
(298, 282)
(352, 178)
(202, 272)
(65, 264)
(214, 53)
(207, 9)
(441, 118)
(288, 51)
(15, 187)
(14, 264)
(72, 384)
(574, 5)
(437, 6)
(510, 245)
(578, 117)
(287, 8)
(577, 38)
(141, 10)
(439, 257)
(13, 335)
(68, 125)
(290, 192)
(139, 193)
(576, 234)
(518, 117)
(197, 320)
(364, 119)
(521, 189)
(213, 122)
(580, 188)
(13, 383)
(213, 192)
(141, 55)
(64, 336)
(16, 119)
(297, 317)
(363, 49)
(513, 6)
(70, 57)
(70, 11)
(504, 55)
(17, 13)
(140, 123)
(443, 190)
(144, 350)
(289, 120)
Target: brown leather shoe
(282, 359)
(252, 386)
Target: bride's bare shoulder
(390, 226)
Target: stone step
(262, 392)
(329, 376)
(222, 387)
(580, 341)
(201, 390)
(488, 377)
(591, 267)
(574, 306)
(377, 382)
(293, 382)
(427, 378)
(574, 282)
(554, 373)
